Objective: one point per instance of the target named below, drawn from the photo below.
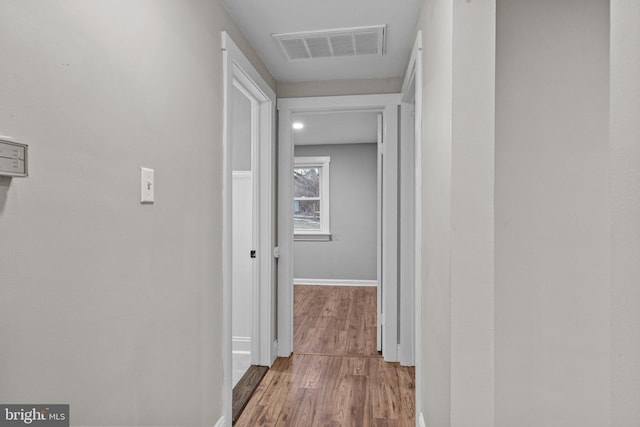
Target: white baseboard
(241, 345)
(421, 422)
(220, 422)
(335, 282)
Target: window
(311, 198)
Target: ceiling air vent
(333, 43)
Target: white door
(243, 237)
(241, 76)
(379, 253)
(388, 243)
(407, 246)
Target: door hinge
(253, 254)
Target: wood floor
(335, 377)
(245, 388)
(335, 320)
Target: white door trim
(390, 233)
(413, 83)
(239, 71)
(407, 234)
(379, 235)
(334, 282)
(386, 103)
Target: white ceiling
(259, 19)
(336, 128)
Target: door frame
(379, 162)
(412, 90)
(388, 105)
(238, 71)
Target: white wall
(551, 214)
(625, 211)
(106, 304)
(457, 207)
(436, 21)
(351, 253)
(339, 87)
(336, 128)
(567, 213)
(472, 214)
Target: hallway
(335, 375)
(526, 215)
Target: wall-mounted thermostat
(13, 158)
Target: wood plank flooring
(335, 320)
(245, 388)
(308, 390)
(353, 386)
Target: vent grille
(341, 42)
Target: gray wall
(458, 77)
(436, 23)
(106, 304)
(625, 212)
(351, 254)
(339, 87)
(552, 236)
(567, 213)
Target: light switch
(147, 185)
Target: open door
(379, 250)
(245, 281)
(388, 237)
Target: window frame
(322, 163)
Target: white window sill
(312, 237)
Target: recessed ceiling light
(298, 125)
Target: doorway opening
(248, 193)
(385, 108)
(336, 232)
(316, 387)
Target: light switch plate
(147, 186)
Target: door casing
(239, 72)
(388, 105)
(412, 93)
